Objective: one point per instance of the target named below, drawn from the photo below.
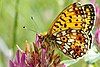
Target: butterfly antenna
(24, 27)
(35, 25)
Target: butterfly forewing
(75, 16)
(70, 17)
(88, 17)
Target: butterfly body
(71, 30)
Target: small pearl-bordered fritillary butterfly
(71, 30)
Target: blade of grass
(15, 25)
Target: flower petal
(43, 56)
(97, 10)
(11, 64)
(17, 56)
(23, 60)
(97, 35)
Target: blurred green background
(15, 14)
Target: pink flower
(39, 57)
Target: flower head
(39, 57)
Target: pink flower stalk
(39, 57)
(97, 36)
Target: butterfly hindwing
(73, 43)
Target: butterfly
(71, 30)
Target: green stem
(15, 25)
